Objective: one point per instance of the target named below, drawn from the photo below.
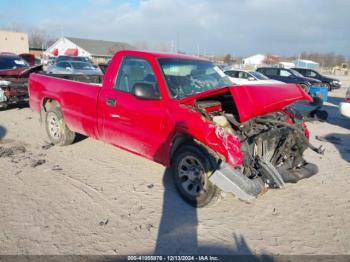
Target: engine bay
(272, 144)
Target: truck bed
(77, 96)
(93, 79)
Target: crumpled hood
(252, 101)
(256, 100)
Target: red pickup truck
(182, 111)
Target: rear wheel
(190, 170)
(56, 128)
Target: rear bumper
(345, 109)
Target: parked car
(345, 106)
(330, 83)
(238, 76)
(288, 75)
(73, 67)
(14, 72)
(182, 112)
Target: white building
(14, 42)
(306, 63)
(287, 64)
(97, 50)
(254, 60)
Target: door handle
(111, 102)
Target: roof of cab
(160, 54)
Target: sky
(236, 27)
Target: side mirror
(145, 91)
(251, 78)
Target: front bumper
(335, 85)
(345, 109)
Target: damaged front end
(13, 91)
(272, 140)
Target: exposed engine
(272, 145)
(13, 91)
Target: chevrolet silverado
(183, 112)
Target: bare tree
(227, 59)
(40, 39)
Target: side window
(304, 72)
(243, 75)
(60, 64)
(312, 74)
(270, 72)
(231, 73)
(285, 73)
(134, 70)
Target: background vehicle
(330, 83)
(287, 75)
(238, 76)
(48, 60)
(63, 58)
(73, 67)
(180, 111)
(29, 58)
(345, 106)
(14, 72)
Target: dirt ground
(92, 198)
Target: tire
(194, 185)
(56, 128)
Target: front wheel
(56, 128)
(190, 170)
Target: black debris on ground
(38, 162)
(57, 168)
(47, 146)
(103, 223)
(11, 151)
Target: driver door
(128, 121)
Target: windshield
(12, 62)
(296, 73)
(187, 77)
(258, 75)
(82, 66)
(72, 58)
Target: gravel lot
(92, 198)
